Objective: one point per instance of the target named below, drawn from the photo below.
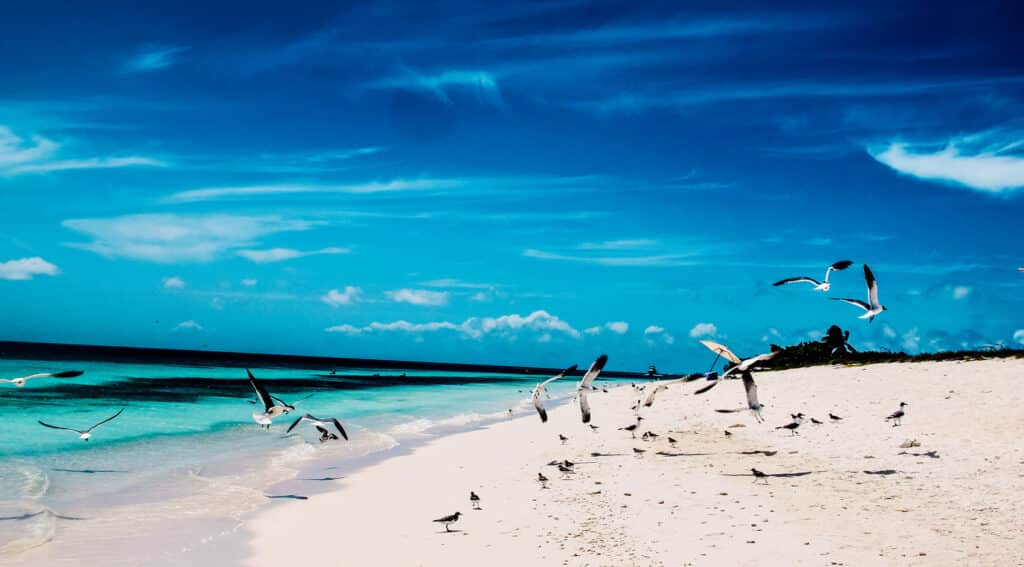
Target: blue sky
(527, 184)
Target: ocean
(186, 460)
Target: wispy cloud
(189, 325)
(39, 155)
(617, 327)
(249, 282)
(659, 260)
(1018, 336)
(169, 238)
(654, 332)
(992, 161)
(418, 296)
(961, 292)
(335, 298)
(154, 58)
(634, 244)
(222, 193)
(457, 284)
(174, 282)
(703, 330)
(281, 254)
(444, 84)
(474, 328)
(26, 269)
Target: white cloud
(397, 185)
(661, 260)
(350, 295)
(990, 161)
(1018, 336)
(154, 58)
(475, 327)
(442, 85)
(592, 330)
(889, 332)
(619, 244)
(961, 291)
(39, 155)
(282, 254)
(249, 282)
(480, 296)
(169, 238)
(189, 325)
(912, 340)
(418, 296)
(654, 331)
(703, 330)
(617, 327)
(26, 268)
(174, 282)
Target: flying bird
(320, 424)
(818, 286)
(741, 366)
(448, 520)
(585, 386)
(542, 389)
(872, 308)
(270, 409)
(20, 382)
(897, 415)
(83, 434)
(663, 385)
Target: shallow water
(185, 458)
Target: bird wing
(297, 421)
(341, 429)
(654, 392)
(722, 350)
(44, 424)
(595, 369)
(750, 362)
(260, 391)
(708, 387)
(856, 302)
(537, 403)
(840, 265)
(584, 406)
(67, 374)
(105, 420)
(751, 388)
(561, 374)
(872, 287)
(803, 279)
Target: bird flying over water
(319, 424)
(872, 308)
(585, 385)
(818, 286)
(271, 410)
(542, 389)
(83, 434)
(20, 381)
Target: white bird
(818, 286)
(584, 385)
(872, 308)
(542, 389)
(663, 385)
(20, 382)
(897, 415)
(741, 365)
(320, 424)
(271, 410)
(83, 434)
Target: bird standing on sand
(631, 428)
(818, 286)
(897, 416)
(565, 470)
(448, 520)
(671, 441)
(83, 434)
(815, 421)
(872, 308)
(543, 480)
(639, 451)
(586, 385)
(320, 424)
(542, 389)
(758, 475)
(593, 427)
(834, 417)
(728, 433)
(562, 438)
(20, 381)
(792, 426)
(474, 499)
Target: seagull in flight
(20, 382)
(585, 385)
(271, 409)
(542, 389)
(741, 366)
(83, 434)
(320, 424)
(818, 286)
(872, 308)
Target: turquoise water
(187, 441)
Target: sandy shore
(696, 504)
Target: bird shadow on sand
(882, 472)
(607, 454)
(776, 475)
(667, 454)
(758, 452)
(286, 496)
(89, 471)
(931, 454)
(453, 532)
(29, 516)
(323, 478)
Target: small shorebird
(834, 417)
(20, 381)
(671, 441)
(320, 424)
(728, 433)
(818, 286)
(474, 499)
(639, 451)
(565, 470)
(593, 427)
(631, 428)
(758, 475)
(872, 308)
(543, 480)
(897, 416)
(542, 389)
(562, 438)
(793, 425)
(448, 520)
(815, 421)
(585, 385)
(83, 434)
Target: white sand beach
(697, 504)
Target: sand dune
(862, 501)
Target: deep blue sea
(186, 449)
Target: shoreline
(696, 504)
